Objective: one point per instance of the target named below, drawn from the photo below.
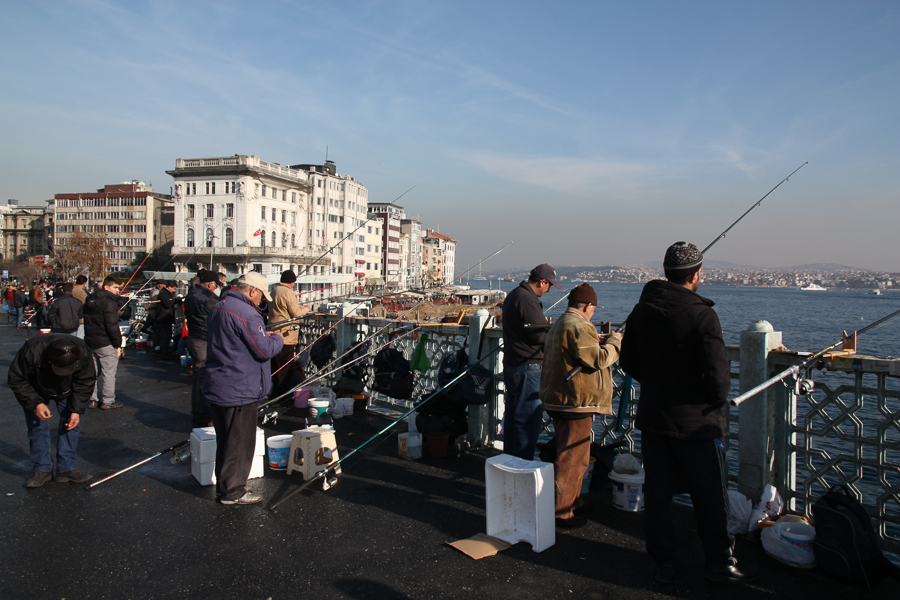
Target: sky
(587, 133)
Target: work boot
(248, 498)
(571, 522)
(666, 574)
(38, 479)
(111, 405)
(730, 572)
(74, 476)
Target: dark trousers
(523, 410)
(162, 334)
(281, 378)
(235, 442)
(573, 454)
(199, 406)
(701, 465)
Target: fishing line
(478, 264)
(330, 468)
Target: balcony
(257, 252)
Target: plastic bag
(769, 506)
(791, 543)
(626, 464)
(739, 509)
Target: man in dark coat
(197, 305)
(104, 338)
(19, 302)
(673, 346)
(66, 311)
(165, 321)
(237, 377)
(55, 367)
(524, 330)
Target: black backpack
(322, 351)
(452, 366)
(392, 374)
(356, 370)
(846, 545)
(478, 384)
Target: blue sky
(590, 133)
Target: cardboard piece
(480, 546)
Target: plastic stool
(312, 450)
(520, 501)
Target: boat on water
(813, 288)
(875, 292)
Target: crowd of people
(223, 331)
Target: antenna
(326, 152)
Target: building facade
(389, 215)
(411, 236)
(443, 263)
(134, 219)
(27, 231)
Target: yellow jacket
(572, 342)
(284, 306)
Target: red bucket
(436, 444)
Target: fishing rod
(360, 226)
(157, 455)
(757, 203)
(328, 483)
(166, 264)
(796, 369)
(136, 271)
(478, 264)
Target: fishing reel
(180, 456)
(803, 386)
(270, 417)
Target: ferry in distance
(812, 288)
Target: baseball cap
(258, 281)
(63, 356)
(547, 272)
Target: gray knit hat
(682, 256)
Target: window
(190, 211)
(190, 238)
(257, 268)
(284, 216)
(229, 237)
(274, 214)
(284, 195)
(209, 237)
(319, 182)
(263, 190)
(213, 187)
(274, 239)
(229, 210)
(262, 239)
(275, 193)
(293, 197)
(284, 240)
(207, 187)
(293, 241)
(276, 269)
(293, 218)
(263, 216)
(210, 211)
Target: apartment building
(135, 219)
(389, 215)
(25, 231)
(411, 241)
(442, 264)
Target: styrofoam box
(205, 473)
(520, 501)
(203, 444)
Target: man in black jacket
(19, 302)
(524, 330)
(103, 337)
(53, 367)
(673, 346)
(165, 321)
(66, 311)
(199, 301)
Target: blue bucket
(279, 449)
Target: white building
(411, 242)
(240, 213)
(447, 254)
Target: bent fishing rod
(797, 369)
(157, 455)
(328, 483)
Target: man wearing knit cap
(524, 330)
(197, 305)
(573, 348)
(673, 346)
(285, 306)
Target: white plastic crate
(520, 501)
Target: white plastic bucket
(588, 474)
(344, 406)
(279, 449)
(800, 535)
(410, 445)
(318, 407)
(628, 491)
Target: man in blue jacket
(237, 377)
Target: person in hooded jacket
(66, 311)
(104, 338)
(238, 376)
(673, 347)
(53, 368)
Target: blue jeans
(20, 313)
(39, 440)
(523, 410)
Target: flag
(258, 231)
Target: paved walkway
(380, 533)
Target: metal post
(757, 448)
(479, 432)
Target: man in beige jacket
(572, 398)
(284, 306)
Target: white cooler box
(203, 455)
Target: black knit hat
(288, 276)
(63, 356)
(207, 276)
(682, 256)
(584, 294)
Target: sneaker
(247, 498)
(92, 404)
(74, 476)
(570, 523)
(731, 572)
(111, 405)
(38, 479)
